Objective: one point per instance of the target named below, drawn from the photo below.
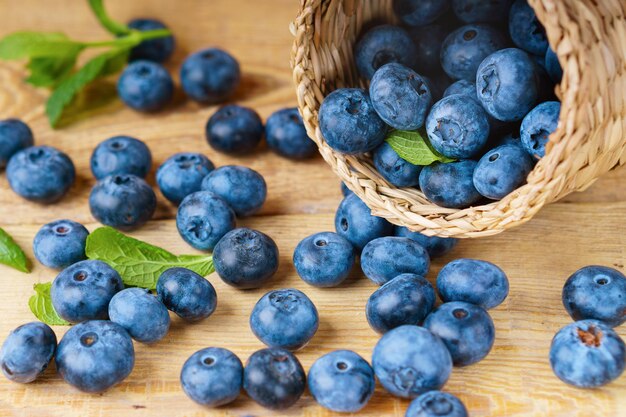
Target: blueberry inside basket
(589, 38)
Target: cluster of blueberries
(465, 81)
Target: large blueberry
(525, 29)
(182, 174)
(286, 135)
(537, 127)
(242, 188)
(436, 404)
(428, 41)
(60, 243)
(473, 281)
(420, 12)
(121, 155)
(274, 378)
(140, 313)
(15, 135)
(435, 246)
(598, 293)
(410, 360)
(502, 170)
(42, 174)
(212, 376)
(462, 87)
(450, 185)
(145, 86)
(553, 66)
(481, 11)
(210, 76)
(349, 122)
(400, 96)
(83, 291)
(587, 354)
(187, 294)
(385, 258)
(507, 85)
(203, 219)
(95, 355)
(406, 299)
(27, 351)
(381, 45)
(341, 381)
(245, 258)
(355, 222)
(122, 201)
(324, 259)
(285, 319)
(157, 50)
(234, 130)
(393, 168)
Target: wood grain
(514, 380)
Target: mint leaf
(20, 45)
(414, 147)
(41, 306)
(50, 71)
(139, 263)
(105, 20)
(11, 254)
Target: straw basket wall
(589, 37)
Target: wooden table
(514, 380)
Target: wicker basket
(589, 37)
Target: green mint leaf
(139, 263)
(414, 147)
(21, 45)
(50, 71)
(11, 254)
(116, 28)
(41, 306)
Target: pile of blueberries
(483, 92)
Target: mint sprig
(11, 254)
(414, 147)
(114, 27)
(41, 306)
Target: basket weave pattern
(589, 37)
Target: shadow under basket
(589, 38)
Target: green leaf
(139, 263)
(414, 147)
(105, 20)
(11, 254)
(41, 306)
(50, 71)
(20, 45)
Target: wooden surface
(514, 380)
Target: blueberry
(210, 76)
(393, 168)
(324, 259)
(435, 246)
(156, 50)
(587, 354)
(15, 135)
(462, 87)
(245, 258)
(381, 45)
(349, 123)
(242, 188)
(341, 381)
(410, 360)
(212, 376)
(598, 293)
(507, 85)
(143, 316)
(428, 41)
(481, 11)
(436, 404)
(406, 299)
(203, 219)
(27, 351)
(234, 130)
(122, 201)
(145, 86)
(502, 170)
(400, 96)
(553, 66)
(95, 355)
(42, 174)
(345, 191)
(121, 155)
(60, 243)
(284, 319)
(450, 185)
(465, 48)
(187, 294)
(355, 222)
(537, 127)
(182, 174)
(385, 258)
(286, 135)
(457, 127)
(525, 29)
(473, 281)
(420, 12)
(274, 378)
(83, 291)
